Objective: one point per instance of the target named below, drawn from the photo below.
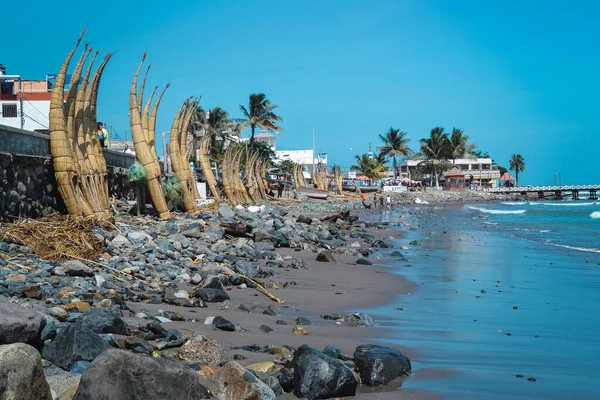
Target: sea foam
(564, 204)
(492, 211)
(588, 249)
(595, 214)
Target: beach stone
(32, 291)
(379, 244)
(379, 365)
(193, 231)
(265, 329)
(225, 211)
(59, 313)
(286, 379)
(49, 331)
(362, 261)
(261, 236)
(359, 319)
(274, 384)
(212, 295)
(22, 374)
(20, 325)
(251, 308)
(223, 324)
(74, 344)
(318, 376)
(325, 256)
(120, 240)
(303, 321)
(234, 382)
(101, 320)
(214, 232)
(77, 268)
(121, 375)
(250, 269)
(200, 349)
(304, 219)
(213, 282)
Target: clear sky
(516, 76)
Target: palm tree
(395, 144)
(215, 123)
(517, 162)
(457, 145)
(435, 149)
(370, 167)
(259, 114)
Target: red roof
(454, 172)
(507, 177)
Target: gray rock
(74, 344)
(101, 320)
(274, 384)
(225, 211)
(318, 376)
(202, 350)
(262, 235)
(59, 313)
(362, 261)
(20, 325)
(325, 256)
(120, 240)
(304, 219)
(232, 381)
(212, 282)
(133, 376)
(193, 231)
(21, 374)
(214, 232)
(77, 268)
(223, 324)
(250, 269)
(63, 384)
(379, 365)
(360, 319)
(212, 295)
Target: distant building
(305, 158)
(481, 169)
(24, 103)
(266, 137)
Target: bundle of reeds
(79, 164)
(143, 134)
(178, 150)
(206, 169)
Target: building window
(9, 110)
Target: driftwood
(237, 230)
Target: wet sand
(324, 288)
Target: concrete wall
(36, 114)
(27, 184)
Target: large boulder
(318, 376)
(325, 256)
(74, 344)
(121, 375)
(22, 374)
(225, 211)
(379, 365)
(234, 382)
(101, 320)
(202, 350)
(20, 325)
(64, 385)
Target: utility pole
(21, 104)
(167, 160)
(555, 179)
(313, 151)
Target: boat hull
(314, 193)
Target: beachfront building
(481, 171)
(24, 104)
(306, 158)
(266, 137)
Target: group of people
(377, 201)
(102, 134)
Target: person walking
(388, 200)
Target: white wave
(513, 203)
(565, 204)
(491, 223)
(595, 214)
(533, 230)
(588, 249)
(492, 211)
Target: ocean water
(507, 292)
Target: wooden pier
(555, 192)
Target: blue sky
(517, 76)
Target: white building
(479, 168)
(24, 104)
(306, 158)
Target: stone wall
(27, 184)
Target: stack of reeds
(143, 132)
(79, 164)
(178, 150)
(203, 148)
